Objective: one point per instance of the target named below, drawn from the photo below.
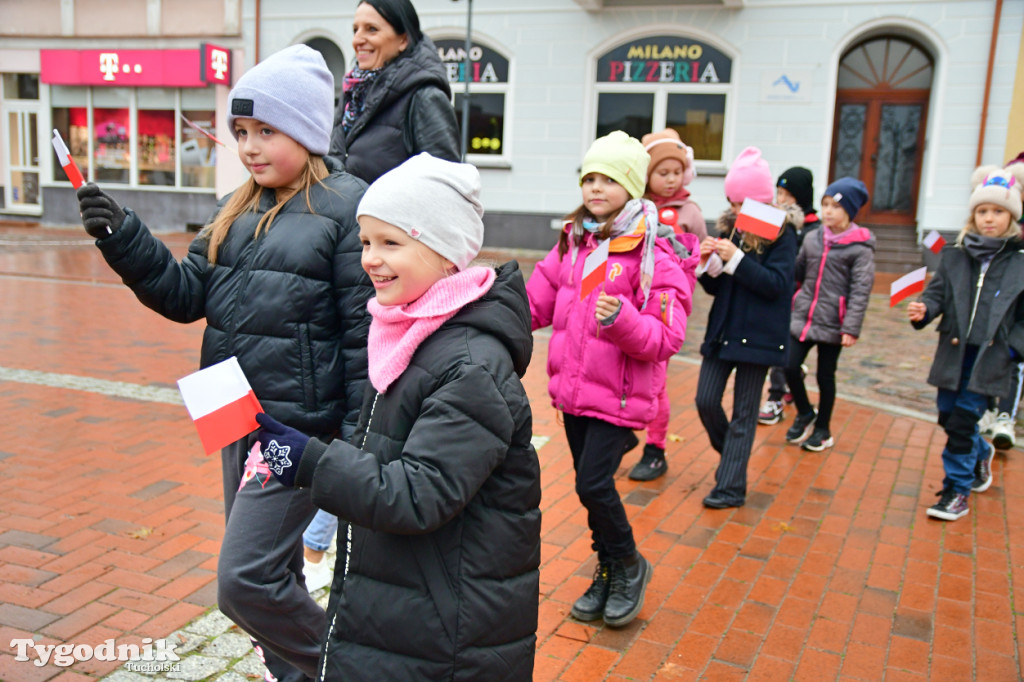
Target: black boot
(591, 605)
(627, 586)
(651, 466)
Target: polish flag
(907, 285)
(595, 268)
(760, 219)
(66, 162)
(934, 241)
(221, 403)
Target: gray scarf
(982, 248)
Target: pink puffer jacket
(614, 375)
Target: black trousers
(828, 360)
(597, 449)
(733, 438)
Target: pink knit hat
(749, 178)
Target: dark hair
(400, 14)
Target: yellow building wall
(1015, 126)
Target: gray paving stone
(250, 666)
(125, 676)
(228, 645)
(186, 642)
(196, 668)
(232, 676)
(210, 625)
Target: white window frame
(504, 159)
(661, 91)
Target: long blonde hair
(246, 199)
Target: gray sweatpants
(259, 575)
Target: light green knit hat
(622, 158)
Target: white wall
(550, 43)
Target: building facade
(905, 95)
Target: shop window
(663, 81)
(20, 86)
(70, 117)
(137, 136)
(488, 97)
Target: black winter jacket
(951, 293)
(443, 497)
(749, 320)
(290, 305)
(407, 110)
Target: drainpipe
(256, 40)
(988, 80)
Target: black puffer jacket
(749, 320)
(290, 305)
(407, 110)
(953, 294)
(443, 498)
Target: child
(670, 170)
(794, 187)
(835, 271)
(978, 290)
(607, 353)
(751, 279)
(439, 578)
(277, 277)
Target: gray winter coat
(835, 283)
(951, 294)
(290, 305)
(439, 578)
(407, 110)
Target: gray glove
(101, 215)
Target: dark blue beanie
(850, 193)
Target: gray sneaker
(1002, 433)
(983, 471)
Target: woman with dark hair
(395, 101)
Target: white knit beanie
(434, 201)
(291, 90)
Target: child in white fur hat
(978, 290)
(276, 276)
(439, 578)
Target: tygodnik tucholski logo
(151, 657)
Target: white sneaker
(1002, 432)
(987, 421)
(318, 574)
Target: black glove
(101, 215)
(282, 448)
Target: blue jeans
(959, 412)
(320, 531)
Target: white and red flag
(934, 241)
(66, 162)
(907, 285)
(760, 219)
(221, 403)
(595, 269)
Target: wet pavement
(111, 517)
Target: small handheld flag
(66, 162)
(934, 241)
(221, 403)
(907, 285)
(595, 269)
(760, 219)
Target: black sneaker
(802, 427)
(651, 466)
(983, 470)
(591, 605)
(628, 585)
(819, 440)
(950, 507)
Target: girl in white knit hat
(440, 487)
(978, 290)
(276, 276)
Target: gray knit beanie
(292, 91)
(434, 201)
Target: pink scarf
(396, 331)
(681, 196)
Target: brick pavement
(111, 519)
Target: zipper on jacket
(348, 549)
(977, 296)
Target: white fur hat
(1000, 186)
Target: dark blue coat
(749, 320)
